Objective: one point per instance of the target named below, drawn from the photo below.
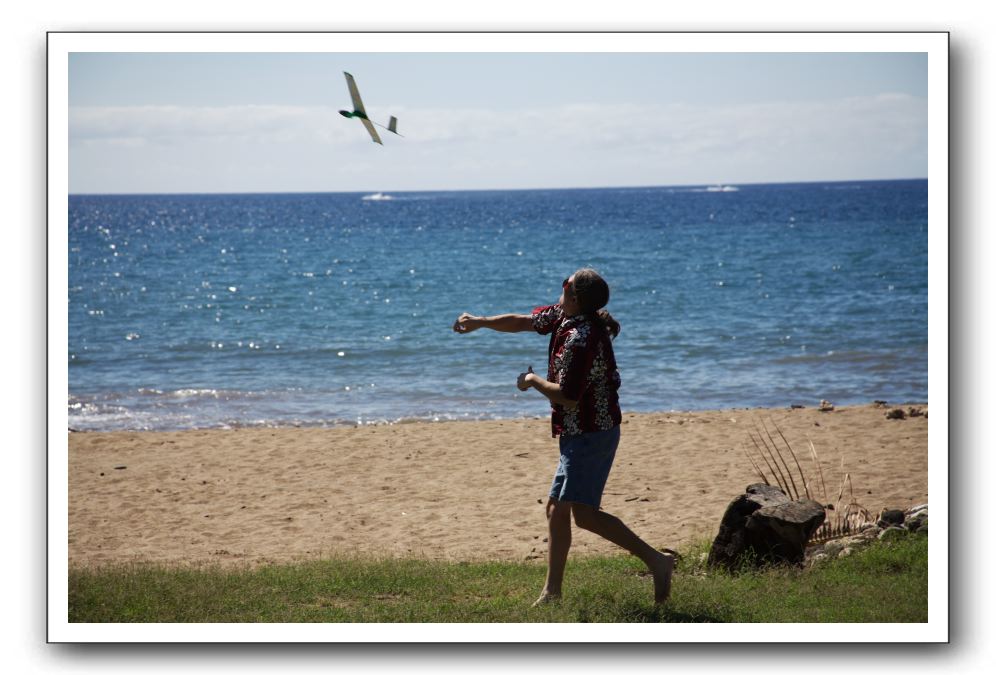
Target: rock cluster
(762, 526)
(892, 524)
(900, 414)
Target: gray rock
(842, 547)
(916, 509)
(916, 522)
(780, 532)
(856, 540)
(765, 526)
(833, 547)
(818, 558)
(813, 550)
(890, 517)
(731, 541)
(892, 533)
(870, 533)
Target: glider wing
(370, 127)
(355, 94)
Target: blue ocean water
(190, 311)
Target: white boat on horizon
(722, 188)
(377, 197)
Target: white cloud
(874, 136)
(177, 125)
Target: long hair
(592, 294)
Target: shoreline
(344, 424)
(447, 490)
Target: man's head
(590, 291)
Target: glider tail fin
(392, 126)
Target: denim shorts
(585, 461)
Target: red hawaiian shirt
(583, 364)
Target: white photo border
(62, 44)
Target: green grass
(884, 583)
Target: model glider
(360, 112)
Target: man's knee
(584, 516)
(556, 509)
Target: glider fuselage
(355, 113)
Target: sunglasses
(567, 285)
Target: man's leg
(609, 527)
(558, 516)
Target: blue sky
(229, 122)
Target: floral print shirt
(582, 362)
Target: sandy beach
(446, 490)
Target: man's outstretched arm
(505, 323)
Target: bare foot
(546, 598)
(662, 572)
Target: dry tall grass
(839, 523)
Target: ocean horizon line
(511, 189)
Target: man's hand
(466, 323)
(525, 381)
(530, 380)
